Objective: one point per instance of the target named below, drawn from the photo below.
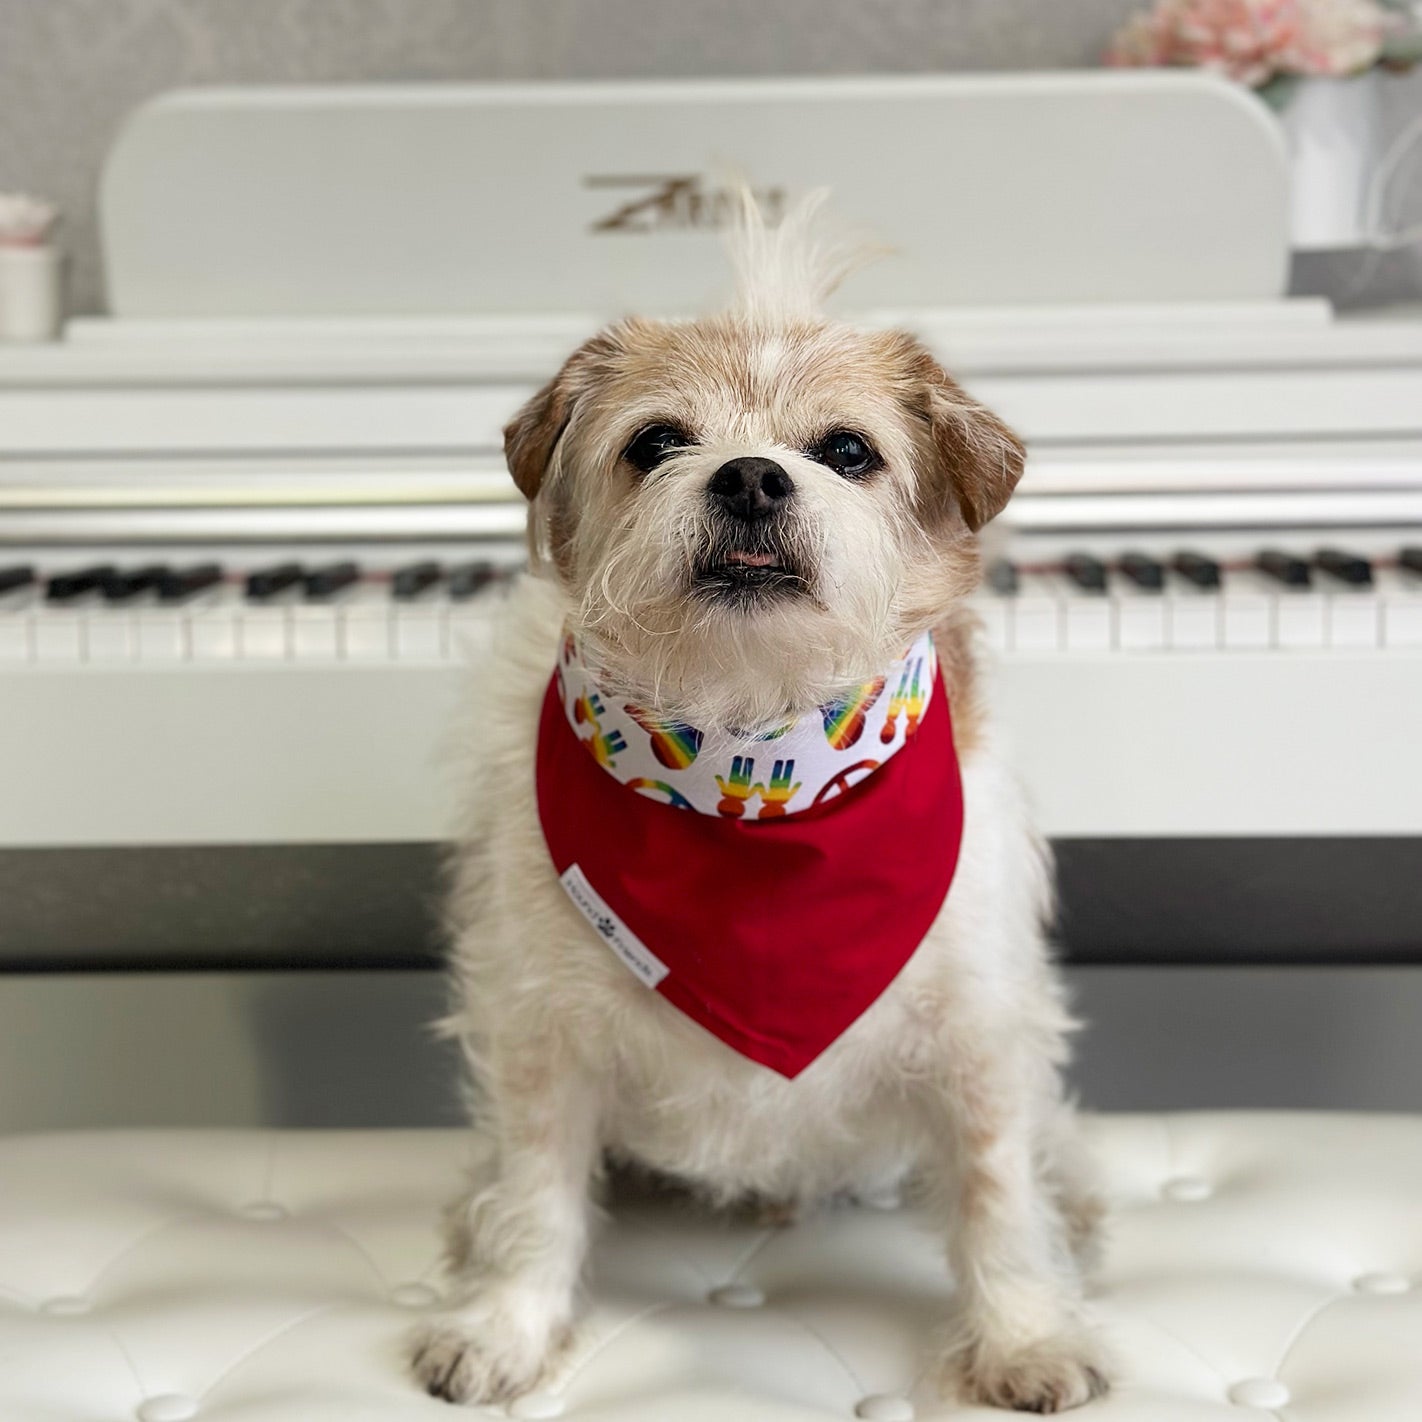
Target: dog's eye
(846, 453)
(652, 445)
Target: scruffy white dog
(732, 612)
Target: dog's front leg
(518, 1238)
(1019, 1339)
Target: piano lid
(527, 200)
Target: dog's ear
(531, 437)
(977, 458)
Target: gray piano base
(1231, 901)
(350, 1049)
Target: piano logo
(676, 202)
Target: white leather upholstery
(1259, 1265)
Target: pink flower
(1338, 36)
(1252, 41)
(25, 221)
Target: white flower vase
(1333, 128)
(31, 293)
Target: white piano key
(1401, 597)
(1300, 619)
(994, 612)
(1140, 619)
(214, 633)
(161, 635)
(419, 632)
(366, 626)
(58, 636)
(109, 636)
(1246, 613)
(469, 630)
(15, 636)
(1354, 618)
(1192, 618)
(1036, 615)
(314, 632)
(265, 633)
(1087, 624)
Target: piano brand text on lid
(676, 202)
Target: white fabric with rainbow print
(803, 764)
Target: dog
(732, 520)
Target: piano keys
(224, 612)
(1102, 604)
(1268, 603)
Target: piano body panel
(598, 227)
(1233, 744)
(1121, 746)
(258, 403)
(245, 818)
(250, 419)
(226, 755)
(221, 908)
(1344, 902)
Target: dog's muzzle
(749, 557)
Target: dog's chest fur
(672, 1096)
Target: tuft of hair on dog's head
(751, 511)
(789, 270)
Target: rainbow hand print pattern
(814, 758)
(777, 793)
(908, 701)
(736, 788)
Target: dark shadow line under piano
(1344, 900)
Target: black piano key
(1284, 567)
(1088, 573)
(1145, 572)
(333, 578)
(18, 577)
(1346, 567)
(268, 582)
(470, 578)
(1196, 568)
(1002, 576)
(64, 586)
(1411, 559)
(123, 584)
(176, 584)
(411, 581)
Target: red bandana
(775, 934)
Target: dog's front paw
(479, 1357)
(1051, 1374)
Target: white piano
(253, 523)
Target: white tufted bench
(1259, 1265)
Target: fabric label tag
(647, 967)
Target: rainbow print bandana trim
(792, 768)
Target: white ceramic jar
(31, 292)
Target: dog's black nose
(750, 488)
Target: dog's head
(751, 511)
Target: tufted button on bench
(1258, 1266)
